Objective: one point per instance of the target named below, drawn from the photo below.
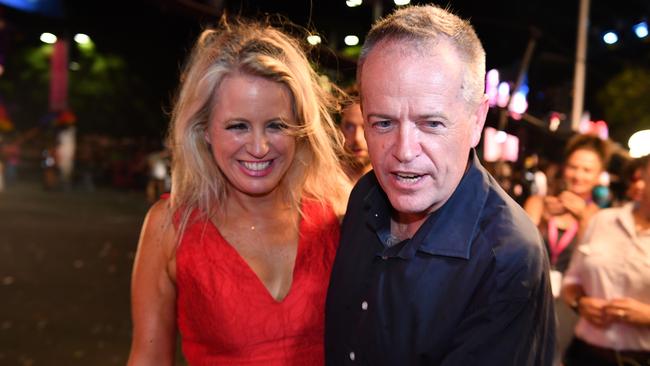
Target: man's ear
(478, 120)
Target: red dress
(225, 314)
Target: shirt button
(364, 305)
(352, 356)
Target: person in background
(158, 162)
(633, 172)
(238, 258)
(562, 216)
(357, 162)
(608, 285)
(437, 264)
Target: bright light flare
(353, 3)
(641, 29)
(48, 38)
(351, 40)
(313, 39)
(401, 2)
(639, 143)
(503, 94)
(500, 137)
(610, 37)
(491, 86)
(81, 38)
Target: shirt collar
(449, 230)
(625, 218)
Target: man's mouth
(408, 177)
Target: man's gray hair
(423, 26)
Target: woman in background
(563, 217)
(608, 285)
(238, 258)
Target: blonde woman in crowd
(238, 258)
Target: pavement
(65, 268)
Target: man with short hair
(437, 264)
(358, 162)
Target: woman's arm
(534, 207)
(581, 210)
(153, 292)
(590, 308)
(630, 311)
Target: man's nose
(407, 145)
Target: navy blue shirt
(470, 287)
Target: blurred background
(85, 93)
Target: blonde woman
(238, 258)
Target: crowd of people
(258, 250)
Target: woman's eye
(236, 126)
(278, 125)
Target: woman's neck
(238, 203)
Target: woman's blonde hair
(258, 49)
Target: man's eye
(433, 124)
(382, 124)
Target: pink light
(503, 94)
(491, 86)
(493, 150)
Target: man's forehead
(406, 47)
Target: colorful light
(351, 40)
(610, 37)
(81, 38)
(313, 39)
(639, 143)
(491, 86)
(48, 38)
(503, 94)
(641, 29)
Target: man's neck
(404, 226)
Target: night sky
(154, 36)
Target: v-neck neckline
(249, 269)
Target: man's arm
(517, 326)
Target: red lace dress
(225, 314)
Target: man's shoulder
(366, 184)
(509, 230)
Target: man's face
(419, 129)
(352, 128)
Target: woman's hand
(553, 206)
(628, 310)
(594, 311)
(573, 203)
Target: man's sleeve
(517, 327)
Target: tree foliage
(625, 102)
(103, 92)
